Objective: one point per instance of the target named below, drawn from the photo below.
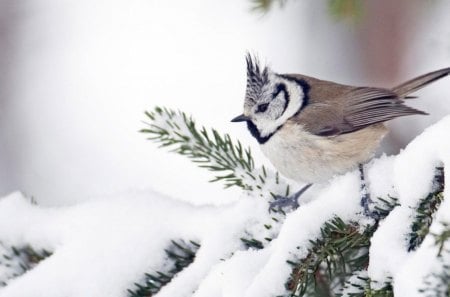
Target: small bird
(312, 129)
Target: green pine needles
(15, 261)
(338, 9)
(232, 164)
(179, 254)
(438, 282)
(336, 261)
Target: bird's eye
(262, 107)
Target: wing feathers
(368, 106)
(352, 109)
(358, 108)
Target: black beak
(241, 118)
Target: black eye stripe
(279, 88)
(303, 85)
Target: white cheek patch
(296, 98)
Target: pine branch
(425, 211)
(180, 254)
(265, 5)
(336, 261)
(15, 261)
(339, 9)
(231, 162)
(359, 285)
(341, 249)
(423, 219)
(443, 238)
(438, 282)
(333, 258)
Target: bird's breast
(309, 158)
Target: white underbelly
(314, 159)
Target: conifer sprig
(337, 260)
(15, 261)
(180, 254)
(230, 161)
(438, 282)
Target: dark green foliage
(442, 239)
(339, 9)
(209, 149)
(346, 9)
(341, 249)
(18, 260)
(423, 219)
(384, 207)
(232, 163)
(438, 282)
(424, 212)
(335, 263)
(180, 255)
(265, 5)
(385, 291)
(252, 243)
(333, 258)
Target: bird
(312, 129)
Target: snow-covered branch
(324, 248)
(211, 150)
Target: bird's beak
(241, 118)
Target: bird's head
(270, 99)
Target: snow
(414, 171)
(83, 72)
(102, 246)
(68, 134)
(299, 227)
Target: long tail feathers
(419, 82)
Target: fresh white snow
(101, 247)
(414, 171)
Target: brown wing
(337, 109)
(352, 110)
(368, 106)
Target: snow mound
(101, 247)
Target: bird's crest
(257, 77)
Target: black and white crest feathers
(257, 77)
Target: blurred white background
(76, 76)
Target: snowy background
(76, 76)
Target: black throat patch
(255, 133)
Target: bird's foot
(366, 201)
(283, 202)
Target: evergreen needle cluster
(231, 163)
(337, 260)
(15, 261)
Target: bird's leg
(365, 196)
(292, 200)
